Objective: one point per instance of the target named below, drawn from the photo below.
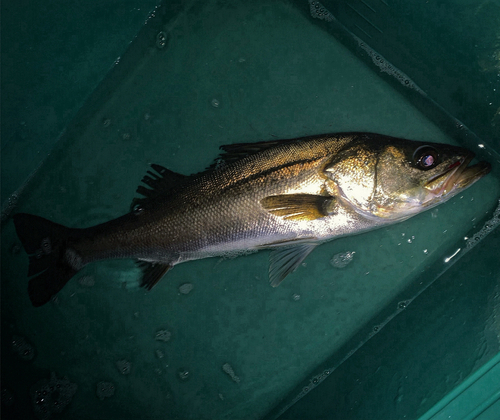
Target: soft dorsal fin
(233, 152)
(162, 182)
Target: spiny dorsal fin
(285, 260)
(152, 273)
(233, 152)
(161, 181)
(299, 206)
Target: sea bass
(286, 195)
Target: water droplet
(185, 288)
(228, 369)
(104, 390)
(138, 209)
(183, 374)
(161, 40)
(7, 397)
(163, 335)
(51, 396)
(86, 281)
(22, 348)
(403, 304)
(342, 259)
(124, 366)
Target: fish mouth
(457, 177)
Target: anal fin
(152, 273)
(285, 260)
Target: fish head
(390, 178)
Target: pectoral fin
(299, 206)
(284, 261)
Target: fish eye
(426, 157)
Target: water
(213, 339)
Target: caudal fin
(47, 245)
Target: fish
(287, 195)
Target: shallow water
(213, 339)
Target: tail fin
(47, 244)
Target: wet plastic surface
(228, 346)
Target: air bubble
(488, 227)
(296, 297)
(105, 390)
(215, 103)
(106, 122)
(342, 259)
(318, 11)
(386, 67)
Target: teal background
(388, 336)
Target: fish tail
(52, 261)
